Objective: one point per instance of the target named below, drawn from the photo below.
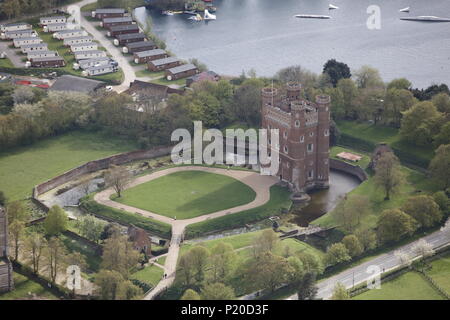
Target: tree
(16, 232)
(35, 245)
(119, 255)
(404, 258)
(388, 174)
(2, 199)
(306, 287)
(423, 249)
(265, 242)
(222, 260)
(442, 102)
(368, 77)
(90, 227)
(85, 184)
(246, 103)
(113, 286)
(443, 137)
(394, 224)
(199, 258)
(396, 102)
(23, 94)
(310, 262)
(354, 247)
(336, 71)
(340, 292)
(185, 269)
(190, 294)
(424, 210)
(350, 211)
(442, 201)
(367, 238)
(440, 166)
(400, 83)
(56, 221)
(217, 291)
(118, 178)
(55, 255)
(297, 74)
(349, 94)
(16, 211)
(446, 228)
(297, 270)
(337, 253)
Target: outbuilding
(84, 47)
(183, 71)
(51, 20)
(110, 22)
(41, 54)
(11, 35)
(99, 70)
(81, 55)
(49, 62)
(123, 39)
(55, 27)
(88, 63)
(23, 41)
(15, 27)
(34, 47)
(149, 55)
(77, 40)
(122, 29)
(108, 13)
(139, 46)
(70, 33)
(163, 64)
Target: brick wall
(354, 170)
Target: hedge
(151, 225)
(279, 202)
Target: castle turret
(323, 139)
(293, 91)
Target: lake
(263, 35)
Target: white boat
(312, 16)
(196, 18)
(167, 13)
(404, 9)
(332, 7)
(209, 16)
(427, 19)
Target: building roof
(118, 19)
(15, 24)
(34, 45)
(140, 44)
(204, 76)
(41, 52)
(139, 237)
(128, 36)
(124, 27)
(100, 67)
(93, 60)
(27, 38)
(29, 31)
(57, 25)
(79, 38)
(69, 31)
(182, 68)
(155, 89)
(150, 53)
(48, 59)
(349, 156)
(88, 52)
(83, 44)
(73, 83)
(164, 61)
(110, 10)
(55, 17)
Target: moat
(264, 35)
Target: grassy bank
(25, 288)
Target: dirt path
(260, 184)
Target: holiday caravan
(55, 27)
(84, 47)
(77, 40)
(70, 33)
(22, 41)
(11, 35)
(52, 20)
(34, 47)
(41, 54)
(15, 27)
(81, 55)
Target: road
(386, 262)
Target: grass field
(93, 260)
(150, 275)
(6, 63)
(22, 168)
(440, 272)
(23, 286)
(188, 194)
(410, 286)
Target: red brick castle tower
(304, 129)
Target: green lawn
(150, 275)
(363, 163)
(148, 73)
(410, 286)
(161, 260)
(23, 286)
(6, 63)
(22, 168)
(188, 194)
(93, 260)
(440, 272)
(164, 81)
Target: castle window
(302, 139)
(310, 174)
(327, 133)
(285, 149)
(285, 134)
(297, 123)
(325, 161)
(288, 165)
(311, 134)
(310, 147)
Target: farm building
(29, 40)
(88, 63)
(77, 40)
(84, 47)
(149, 55)
(123, 39)
(34, 47)
(11, 35)
(184, 71)
(122, 29)
(41, 54)
(71, 33)
(163, 64)
(51, 20)
(139, 46)
(202, 76)
(55, 27)
(99, 70)
(108, 13)
(81, 55)
(49, 62)
(15, 27)
(110, 22)
(77, 84)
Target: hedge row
(279, 202)
(161, 229)
(369, 146)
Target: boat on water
(312, 16)
(191, 12)
(208, 16)
(427, 19)
(171, 13)
(404, 9)
(332, 7)
(197, 17)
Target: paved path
(260, 184)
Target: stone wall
(6, 280)
(354, 170)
